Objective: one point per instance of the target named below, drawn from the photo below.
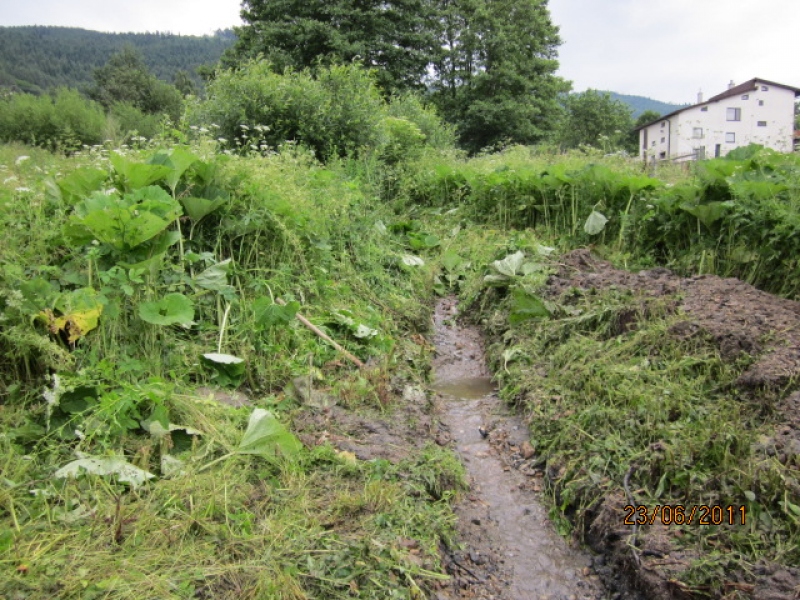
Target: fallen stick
(324, 336)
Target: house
(754, 112)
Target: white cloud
(187, 17)
(670, 49)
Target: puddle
(510, 548)
(467, 388)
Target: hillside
(639, 104)
(35, 59)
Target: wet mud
(509, 548)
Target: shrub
(63, 121)
(338, 113)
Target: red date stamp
(678, 514)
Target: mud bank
(511, 550)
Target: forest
(39, 59)
(220, 336)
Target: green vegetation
(592, 118)
(138, 284)
(37, 59)
(489, 67)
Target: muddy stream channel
(510, 549)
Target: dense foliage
(490, 66)
(125, 79)
(36, 59)
(592, 118)
(392, 37)
(337, 112)
(62, 121)
(735, 216)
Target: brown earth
(744, 323)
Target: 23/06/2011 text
(679, 514)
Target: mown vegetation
(132, 280)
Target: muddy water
(511, 550)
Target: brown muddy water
(510, 549)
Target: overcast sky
(663, 49)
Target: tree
(496, 72)
(184, 84)
(391, 36)
(125, 79)
(594, 119)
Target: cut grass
(325, 526)
(663, 411)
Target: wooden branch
(324, 336)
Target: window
(704, 109)
(746, 97)
(697, 132)
(730, 138)
(761, 103)
(663, 140)
(764, 88)
(663, 123)
(762, 123)
(734, 114)
(654, 143)
(662, 155)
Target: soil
(509, 549)
(745, 324)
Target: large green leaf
(197, 208)
(595, 223)
(526, 306)
(267, 437)
(123, 222)
(137, 175)
(269, 315)
(510, 265)
(178, 160)
(708, 213)
(172, 309)
(228, 370)
(215, 277)
(81, 182)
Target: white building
(754, 112)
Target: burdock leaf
(172, 309)
(267, 437)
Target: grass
(321, 525)
(605, 403)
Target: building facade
(754, 112)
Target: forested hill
(35, 59)
(639, 104)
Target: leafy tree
(126, 79)
(391, 36)
(489, 64)
(338, 112)
(496, 74)
(594, 119)
(184, 84)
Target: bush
(126, 118)
(438, 134)
(338, 113)
(63, 121)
